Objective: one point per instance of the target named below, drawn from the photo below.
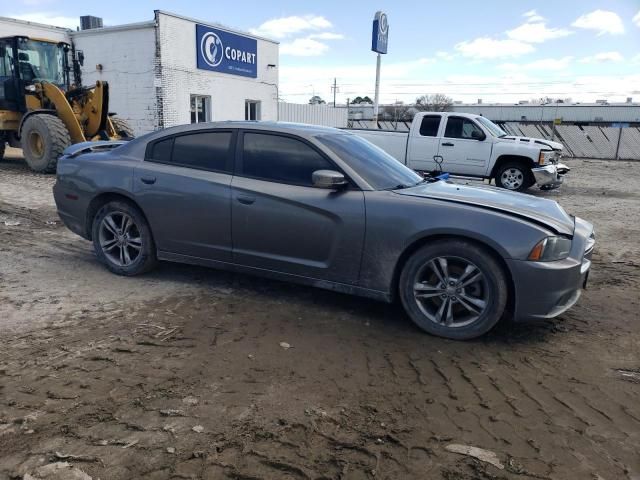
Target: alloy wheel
(451, 291)
(512, 178)
(120, 238)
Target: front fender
(389, 234)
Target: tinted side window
(430, 125)
(280, 159)
(458, 127)
(205, 150)
(161, 151)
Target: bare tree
(438, 102)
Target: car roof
(137, 146)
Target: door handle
(245, 200)
(447, 144)
(148, 180)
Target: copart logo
(212, 49)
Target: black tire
(3, 145)
(43, 137)
(145, 256)
(417, 278)
(521, 175)
(122, 127)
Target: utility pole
(335, 89)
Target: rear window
(201, 150)
(161, 151)
(430, 125)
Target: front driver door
(280, 222)
(463, 151)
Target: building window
(200, 109)
(252, 110)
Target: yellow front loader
(42, 110)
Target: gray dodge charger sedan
(323, 207)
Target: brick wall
(180, 78)
(127, 57)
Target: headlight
(545, 156)
(550, 249)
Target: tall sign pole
(379, 41)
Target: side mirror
(328, 179)
(80, 55)
(476, 135)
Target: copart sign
(226, 52)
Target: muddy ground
(181, 373)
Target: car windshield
(374, 165)
(494, 129)
(41, 61)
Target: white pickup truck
(472, 146)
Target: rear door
(280, 222)
(464, 147)
(424, 144)
(184, 189)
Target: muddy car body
(324, 207)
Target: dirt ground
(182, 374)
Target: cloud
(327, 36)
(603, 57)
(532, 16)
(489, 48)
(541, 65)
(636, 19)
(446, 56)
(284, 27)
(536, 33)
(602, 21)
(303, 47)
(49, 19)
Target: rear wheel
(122, 127)
(454, 289)
(44, 137)
(122, 239)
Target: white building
(173, 70)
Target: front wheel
(44, 137)
(514, 176)
(122, 239)
(454, 289)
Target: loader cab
(25, 62)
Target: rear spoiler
(87, 147)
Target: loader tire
(44, 137)
(3, 144)
(122, 127)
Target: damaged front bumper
(550, 176)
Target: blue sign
(380, 35)
(226, 52)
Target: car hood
(532, 141)
(538, 210)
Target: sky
(495, 50)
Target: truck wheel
(454, 289)
(514, 176)
(44, 137)
(122, 239)
(122, 127)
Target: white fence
(313, 114)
